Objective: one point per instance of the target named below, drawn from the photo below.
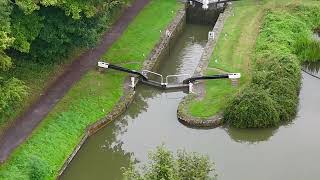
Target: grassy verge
(236, 50)
(89, 100)
(233, 53)
(37, 77)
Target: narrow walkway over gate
(166, 82)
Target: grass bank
(265, 41)
(232, 53)
(89, 100)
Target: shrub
(253, 107)
(12, 92)
(280, 66)
(15, 175)
(284, 94)
(307, 49)
(39, 169)
(164, 165)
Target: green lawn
(233, 53)
(90, 99)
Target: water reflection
(250, 136)
(140, 104)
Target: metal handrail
(145, 72)
(176, 75)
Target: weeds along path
(24, 125)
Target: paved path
(24, 125)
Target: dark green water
(288, 152)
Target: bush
(164, 165)
(280, 66)
(15, 175)
(286, 97)
(39, 169)
(12, 92)
(284, 41)
(252, 108)
(308, 49)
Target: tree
(5, 40)
(45, 31)
(11, 89)
(165, 166)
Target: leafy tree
(5, 39)
(45, 31)
(25, 29)
(73, 8)
(11, 89)
(164, 165)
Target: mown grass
(233, 53)
(215, 98)
(89, 100)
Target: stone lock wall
(183, 115)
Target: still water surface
(291, 151)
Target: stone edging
(183, 115)
(158, 52)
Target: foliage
(5, 39)
(284, 41)
(308, 49)
(43, 33)
(87, 101)
(38, 168)
(163, 165)
(16, 175)
(73, 8)
(11, 92)
(25, 29)
(253, 107)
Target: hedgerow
(285, 41)
(252, 108)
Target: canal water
(288, 152)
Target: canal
(290, 151)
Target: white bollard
(168, 33)
(190, 87)
(132, 82)
(210, 35)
